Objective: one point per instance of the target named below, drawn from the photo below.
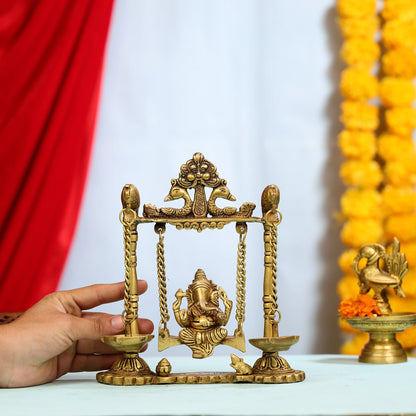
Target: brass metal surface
(373, 276)
(382, 347)
(203, 309)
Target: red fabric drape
(51, 57)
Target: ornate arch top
(199, 212)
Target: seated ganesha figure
(203, 320)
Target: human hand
(55, 336)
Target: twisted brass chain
(275, 306)
(161, 274)
(127, 218)
(241, 276)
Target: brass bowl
(383, 347)
(274, 344)
(127, 344)
(397, 322)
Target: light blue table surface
(334, 385)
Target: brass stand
(208, 308)
(271, 364)
(383, 348)
(130, 369)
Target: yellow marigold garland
(376, 191)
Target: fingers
(93, 362)
(91, 296)
(96, 327)
(145, 326)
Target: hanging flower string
(395, 145)
(361, 203)
(380, 200)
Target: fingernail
(117, 323)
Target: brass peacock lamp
(382, 271)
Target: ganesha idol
(203, 321)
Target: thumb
(97, 326)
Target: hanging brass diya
(202, 310)
(382, 271)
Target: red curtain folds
(51, 58)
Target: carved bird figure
(177, 192)
(220, 192)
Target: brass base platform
(291, 376)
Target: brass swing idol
(208, 307)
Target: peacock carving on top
(197, 174)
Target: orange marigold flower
(396, 33)
(359, 116)
(360, 52)
(397, 201)
(357, 232)
(397, 92)
(392, 147)
(362, 305)
(399, 9)
(401, 172)
(401, 226)
(409, 248)
(364, 27)
(358, 84)
(355, 344)
(364, 174)
(355, 144)
(356, 8)
(401, 120)
(361, 203)
(400, 62)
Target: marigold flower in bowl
(361, 306)
(356, 144)
(397, 92)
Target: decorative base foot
(270, 365)
(383, 348)
(273, 367)
(126, 371)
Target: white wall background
(251, 85)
